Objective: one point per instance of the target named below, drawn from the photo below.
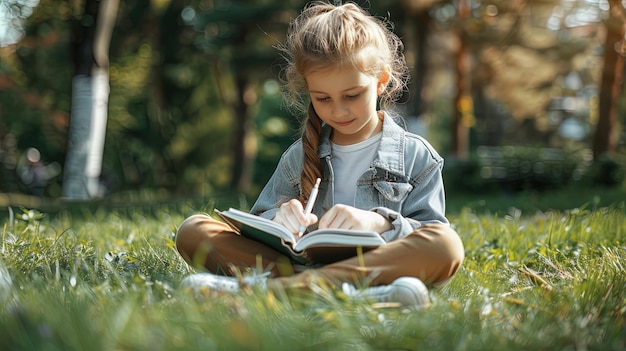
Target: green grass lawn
(543, 272)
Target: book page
(339, 237)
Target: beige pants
(432, 253)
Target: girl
(341, 64)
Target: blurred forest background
(516, 94)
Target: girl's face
(345, 98)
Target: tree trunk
(90, 92)
(422, 30)
(462, 101)
(605, 138)
(245, 144)
(244, 148)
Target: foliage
(512, 169)
(609, 170)
(107, 279)
(239, 37)
(164, 104)
(177, 68)
(36, 98)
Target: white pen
(309, 204)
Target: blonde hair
(326, 35)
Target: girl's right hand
(291, 216)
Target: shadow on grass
(532, 201)
(145, 202)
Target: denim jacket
(404, 182)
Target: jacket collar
(390, 155)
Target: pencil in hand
(309, 204)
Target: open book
(318, 246)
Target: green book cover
(257, 228)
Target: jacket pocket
(393, 192)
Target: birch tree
(90, 92)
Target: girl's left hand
(348, 217)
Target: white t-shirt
(349, 163)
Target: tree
(243, 34)
(605, 138)
(90, 91)
(522, 52)
(462, 106)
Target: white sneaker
(209, 283)
(404, 291)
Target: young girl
(342, 63)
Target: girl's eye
(324, 99)
(352, 97)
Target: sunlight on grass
(107, 280)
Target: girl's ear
(383, 79)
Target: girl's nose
(340, 109)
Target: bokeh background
(183, 98)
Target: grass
(534, 278)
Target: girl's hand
(348, 217)
(291, 216)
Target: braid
(312, 166)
